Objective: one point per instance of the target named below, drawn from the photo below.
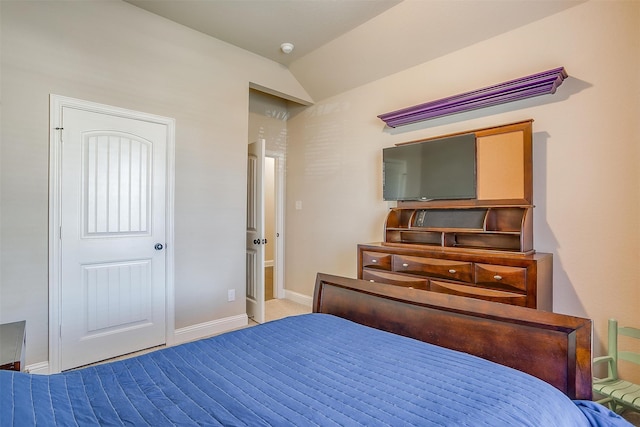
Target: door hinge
(60, 128)
(60, 233)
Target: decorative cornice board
(542, 83)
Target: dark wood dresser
(12, 345)
(479, 247)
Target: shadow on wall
(561, 283)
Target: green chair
(618, 394)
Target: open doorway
(274, 225)
(268, 116)
(276, 305)
(269, 228)
(265, 222)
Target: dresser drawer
(395, 279)
(477, 292)
(517, 279)
(434, 267)
(502, 277)
(376, 260)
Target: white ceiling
(342, 44)
(261, 26)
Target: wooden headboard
(553, 347)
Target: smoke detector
(286, 47)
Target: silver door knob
(158, 247)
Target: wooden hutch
(481, 247)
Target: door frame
(279, 203)
(56, 104)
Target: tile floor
(278, 308)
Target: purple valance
(526, 87)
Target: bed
(369, 354)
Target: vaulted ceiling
(342, 44)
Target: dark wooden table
(12, 345)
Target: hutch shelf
(498, 228)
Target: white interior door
(255, 231)
(113, 189)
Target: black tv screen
(431, 170)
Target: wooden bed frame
(553, 347)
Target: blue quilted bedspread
(302, 371)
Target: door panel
(116, 184)
(125, 285)
(255, 231)
(113, 215)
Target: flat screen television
(442, 169)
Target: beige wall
(585, 148)
(114, 53)
(586, 142)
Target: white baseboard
(207, 329)
(299, 298)
(41, 368)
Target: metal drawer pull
(405, 265)
(374, 261)
(497, 277)
(452, 271)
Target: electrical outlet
(231, 295)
